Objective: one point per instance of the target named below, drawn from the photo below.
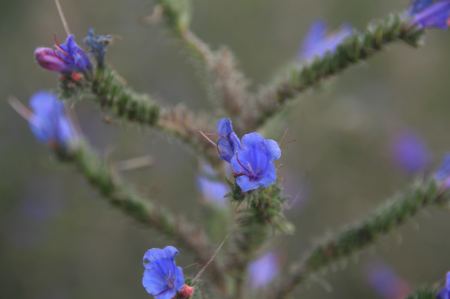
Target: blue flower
(430, 14)
(49, 122)
(410, 152)
(263, 270)
(445, 291)
(212, 190)
(228, 142)
(66, 58)
(317, 43)
(253, 164)
(386, 282)
(442, 175)
(98, 44)
(252, 158)
(162, 278)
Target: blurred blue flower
(443, 173)
(162, 278)
(228, 142)
(386, 282)
(263, 270)
(430, 14)
(410, 152)
(49, 122)
(419, 5)
(317, 43)
(98, 44)
(66, 58)
(444, 293)
(213, 190)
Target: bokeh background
(58, 239)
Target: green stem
(356, 237)
(112, 93)
(143, 210)
(425, 293)
(356, 48)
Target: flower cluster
(67, 58)
(430, 13)
(252, 158)
(317, 43)
(49, 121)
(163, 279)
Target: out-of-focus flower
(252, 158)
(386, 282)
(98, 44)
(67, 58)
(213, 190)
(444, 293)
(409, 152)
(162, 279)
(263, 270)
(228, 142)
(442, 175)
(49, 122)
(430, 14)
(317, 43)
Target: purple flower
(444, 293)
(66, 58)
(317, 43)
(252, 158)
(410, 152)
(253, 164)
(442, 175)
(430, 14)
(263, 270)
(228, 142)
(49, 122)
(162, 278)
(386, 282)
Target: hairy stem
(112, 93)
(356, 237)
(424, 293)
(358, 47)
(143, 210)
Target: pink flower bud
(47, 58)
(186, 292)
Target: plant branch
(356, 48)
(143, 210)
(112, 93)
(358, 236)
(229, 83)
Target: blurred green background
(59, 240)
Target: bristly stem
(112, 93)
(358, 47)
(228, 81)
(423, 293)
(101, 177)
(356, 237)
